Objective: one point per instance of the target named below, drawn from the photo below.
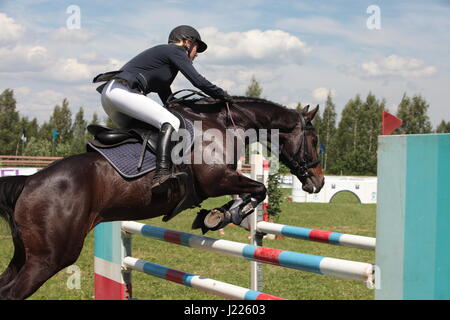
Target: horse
(51, 212)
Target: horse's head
(299, 152)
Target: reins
(302, 166)
(171, 100)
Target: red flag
(389, 123)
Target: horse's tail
(10, 189)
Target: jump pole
(413, 217)
(113, 264)
(218, 288)
(330, 237)
(256, 268)
(346, 269)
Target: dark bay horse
(51, 212)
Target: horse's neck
(264, 115)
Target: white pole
(256, 268)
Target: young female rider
(153, 70)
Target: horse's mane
(211, 105)
(258, 100)
(239, 99)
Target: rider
(154, 70)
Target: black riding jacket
(154, 70)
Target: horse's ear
(312, 114)
(305, 109)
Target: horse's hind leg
(46, 250)
(17, 261)
(39, 266)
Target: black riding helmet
(187, 32)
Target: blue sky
(298, 50)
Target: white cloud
(81, 35)
(73, 70)
(47, 99)
(70, 70)
(321, 94)
(37, 103)
(10, 31)
(23, 58)
(22, 91)
(394, 65)
(253, 46)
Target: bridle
(301, 167)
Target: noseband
(301, 167)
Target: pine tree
(413, 112)
(38, 147)
(95, 119)
(61, 120)
(10, 132)
(355, 144)
(327, 130)
(79, 133)
(370, 129)
(254, 90)
(443, 127)
(345, 142)
(110, 123)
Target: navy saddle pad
(125, 157)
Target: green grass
(343, 215)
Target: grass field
(343, 215)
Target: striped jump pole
(113, 264)
(305, 262)
(336, 238)
(218, 288)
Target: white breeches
(122, 105)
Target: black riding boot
(163, 160)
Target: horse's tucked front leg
(251, 194)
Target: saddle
(139, 132)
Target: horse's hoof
(210, 220)
(214, 218)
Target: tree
(45, 131)
(443, 127)
(275, 196)
(345, 142)
(61, 120)
(95, 119)
(355, 144)
(254, 90)
(79, 133)
(28, 129)
(413, 112)
(10, 131)
(110, 123)
(38, 147)
(327, 130)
